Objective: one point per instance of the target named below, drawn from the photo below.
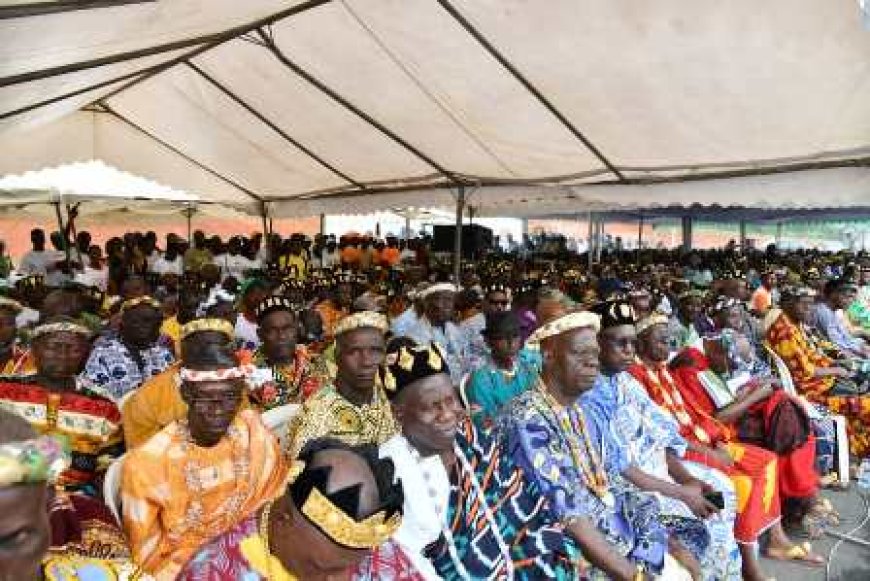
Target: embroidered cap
(208, 324)
(648, 323)
(567, 322)
(407, 362)
(360, 320)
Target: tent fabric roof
(330, 106)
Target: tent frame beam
(209, 40)
(273, 126)
(107, 109)
(272, 46)
(43, 8)
(527, 84)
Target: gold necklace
(264, 534)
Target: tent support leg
(778, 234)
(189, 213)
(743, 235)
(687, 233)
(639, 236)
(323, 224)
(589, 237)
(407, 228)
(457, 239)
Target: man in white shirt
(171, 262)
(40, 261)
(95, 273)
(330, 257)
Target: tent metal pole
(323, 224)
(457, 239)
(189, 213)
(590, 217)
(778, 234)
(407, 227)
(743, 235)
(687, 233)
(639, 235)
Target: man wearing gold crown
(353, 409)
(342, 502)
(199, 476)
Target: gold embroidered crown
(331, 513)
(208, 324)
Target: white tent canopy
(532, 107)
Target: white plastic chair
(277, 420)
(112, 488)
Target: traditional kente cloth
(294, 382)
(330, 315)
(88, 420)
(118, 370)
(176, 495)
(158, 403)
(754, 470)
(796, 475)
(618, 403)
(77, 568)
(497, 521)
(81, 525)
(578, 471)
(790, 342)
(490, 387)
(328, 414)
(20, 363)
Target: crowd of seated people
(343, 409)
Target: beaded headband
(270, 304)
(360, 320)
(31, 461)
(565, 323)
(226, 374)
(648, 323)
(60, 327)
(139, 301)
(208, 324)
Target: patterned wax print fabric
(212, 489)
(88, 420)
(646, 432)
(790, 342)
(328, 414)
(452, 341)
(288, 383)
(498, 521)
(536, 439)
(119, 369)
(490, 387)
(753, 471)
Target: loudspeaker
(474, 237)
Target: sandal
(824, 509)
(802, 552)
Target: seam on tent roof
(212, 40)
(501, 59)
(272, 125)
(272, 47)
(107, 109)
(395, 59)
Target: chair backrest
(782, 370)
(277, 420)
(112, 488)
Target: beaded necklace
(575, 433)
(195, 512)
(674, 403)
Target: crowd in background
(343, 407)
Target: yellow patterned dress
(327, 414)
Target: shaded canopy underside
(534, 108)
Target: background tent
(325, 106)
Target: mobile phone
(715, 498)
